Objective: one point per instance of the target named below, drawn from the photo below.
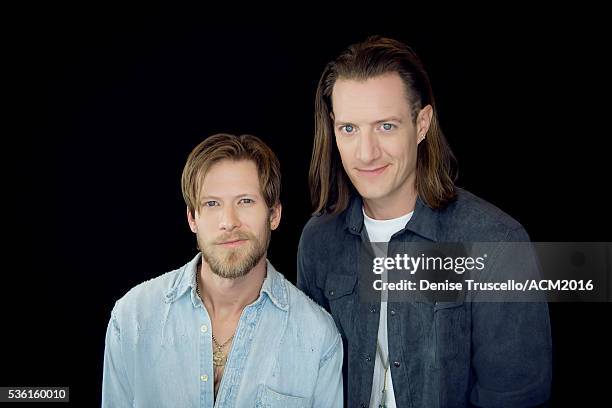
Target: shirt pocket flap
(337, 286)
(447, 305)
(269, 398)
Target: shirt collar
(274, 285)
(424, 221)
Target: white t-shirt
(381, 231)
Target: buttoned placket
(235, 359)
(205, 355)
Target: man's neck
(401, 202)
(224, 297)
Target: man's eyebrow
(241, 195)
(341, 122)
(209, 197)
(387, 119)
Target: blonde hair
(225, 146)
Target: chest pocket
(340, 293)
(268, 398)
(338, 286)
(451, 329)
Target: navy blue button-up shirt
(444, 354)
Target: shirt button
(331, 292)
(203, 328)
(392, 312)
(396, 363)
(363, 405)
(368, 358)
(204, 377)
(373, 309)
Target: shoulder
(145, 300)
(317, 325)
(473, 218)
(323, 235)
(324, 224)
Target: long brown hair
(330, 187)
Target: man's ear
(275, 216)
(192, 223)
(423, 122)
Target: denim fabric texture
(286, 351)
(442, 354)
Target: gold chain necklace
(219, 357)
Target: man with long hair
(382, 171)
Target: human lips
(371, 172)
(233, 242)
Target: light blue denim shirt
(286, 351)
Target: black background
(110, 102)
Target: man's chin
(371, 193)
(370, 190)
(230, 264)
(230, 270)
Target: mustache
(234, 236)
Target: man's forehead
(373, 99)
(231, 178)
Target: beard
(232, 263)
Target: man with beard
(226, 329)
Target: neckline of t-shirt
(404, 217)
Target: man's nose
(229, 219)
(368, 149)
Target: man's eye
(246, 201)
(347, 128)
(211, 203)
(388, 126)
